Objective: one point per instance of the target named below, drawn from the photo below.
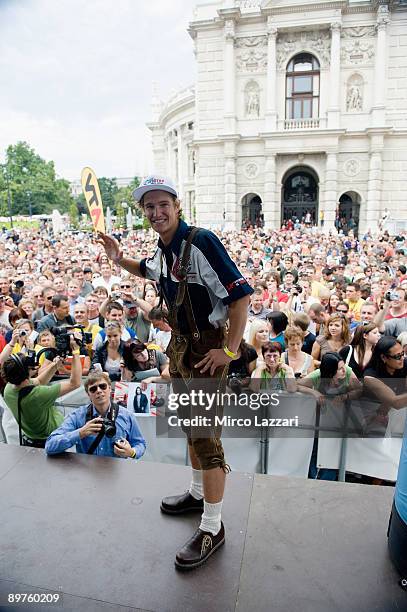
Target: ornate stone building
(299, 107)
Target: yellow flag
(91, 191)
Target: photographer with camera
(21, 339)
(101, 428)
(31, 401)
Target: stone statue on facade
(252, 103)
(354, 99)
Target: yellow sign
(91, 191)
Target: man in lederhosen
(203, 289)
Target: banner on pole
(91, 191)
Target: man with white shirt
(107, 280)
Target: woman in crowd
(359, 352)
(102, 294)
(278, 323)
(333, 303)
(108, 357)
(385, 375)
(15, 314)
(273, 373)
(332, 383)
(301, 363)
(259, 333)
(335, 337)
(20, 340)
(142, 364)
(150, 294)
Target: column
(378, 108)
(181, 176)
(374, 188)
(229, 78)
(271, 107)
(271, 206)
(331, 189)
(229, 213)
(334, 77)
(168, 170)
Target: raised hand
(111, 247)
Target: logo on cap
(154, 181)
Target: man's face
(288, 264)
(59, 284)
(257, 301)
(162, 212)
(317, 317)
(115, 315)
(99, 394)
(351, 294)
(105, 269)
(62, 310)
(288, 279)
(4, 286)
(400, 298)
(81, 313)
(78, 276)
(367, 312)
(92, 303)
(73, 289)
(48, 295)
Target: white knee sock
(196, 487)
(211, 517)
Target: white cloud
(77, 78)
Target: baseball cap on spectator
(154, 182)
(86, 270)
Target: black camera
(30, 358)
(108, 427)
(235, 383)
(297, 289)
(63, 336)
(391, 296)
(19, 284)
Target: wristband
(76, 352)
(229, 353)
(134, 453)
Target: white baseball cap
(154, 182)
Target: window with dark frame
(302, 87)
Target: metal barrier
(283, 452)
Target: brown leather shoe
(199, 548)
(180, 504)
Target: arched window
(302, 87)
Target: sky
(76, 78)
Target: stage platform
(91, 529)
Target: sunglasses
(398, 356)
(102, 386)
(342, 312)
(125, 286)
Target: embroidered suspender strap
(183, 267)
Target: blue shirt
(67, 435)
(213, 279)
(400, 496)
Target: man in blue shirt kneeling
(101, 428)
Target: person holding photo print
(202, 289)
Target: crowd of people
(328, 315)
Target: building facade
(299, 110)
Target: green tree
(74, 214)
(33, 184)
(108, 190)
